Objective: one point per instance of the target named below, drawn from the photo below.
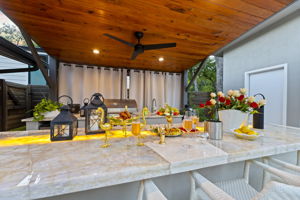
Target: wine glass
(136, 131)
(187, 125)
(106, 127)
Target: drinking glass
(187, 125)
(106, 127)
(136, 131)
(195, 120)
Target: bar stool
(151, 191)
(240, 188)
(293, 170)
(272, 191)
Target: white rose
(213, 95)
(220, 94)
(243, 90)
(251, 99)
(213, 102)
(236, 93)
(262, 102)
(230, 92)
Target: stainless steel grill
(115, 106)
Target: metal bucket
(214, 129)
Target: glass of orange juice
(195, 120)
(187, 124)
(136, 131)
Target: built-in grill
(116, 106)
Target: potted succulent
(233, 108)
(46, 109)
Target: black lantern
(92, 117)
(64, 125)
(258, 118)
(82, 109)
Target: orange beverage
(136, 128)
(195, 120)
(187, 124)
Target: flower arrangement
(168, 111)
(235, 99)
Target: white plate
(246, 136)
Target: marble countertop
(153, 116)
(32, 167)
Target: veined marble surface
(186, 154)
(42, 169)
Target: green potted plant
(46, 109)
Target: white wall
(20, 77)
(277, 45)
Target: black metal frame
(39, 63)
(196, 73)
(14, 52)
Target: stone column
(219, 73)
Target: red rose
(227, 102)
(175, 113)
(240, 98)
(202, 105)
(208, 103)
(254, 105)
(222, 99)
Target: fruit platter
(244, 132)
(125, 118)
(169, 132)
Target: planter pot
(214, 129)
(233, 119)
(51, 114)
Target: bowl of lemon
(244, 132)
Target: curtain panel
(82, 81)
(161, 86)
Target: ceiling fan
(140, 48)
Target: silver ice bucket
(214, 129)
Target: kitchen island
(32, 167)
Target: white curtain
(154, 88)
(136, 88)
(81, 82)
(164, 87)
(173, 89)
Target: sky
(4, 19)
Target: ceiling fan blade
(118, 39)
(134, 54)
(159, 46)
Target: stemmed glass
(106, 127)
(136, 131)
(187, 124)
(195, 120)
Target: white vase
(51, 114)
(233, 119)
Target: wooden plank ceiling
(70, 29)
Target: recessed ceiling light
(96, 51)
(161, 59)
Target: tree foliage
(12, 34)
(206, 79)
